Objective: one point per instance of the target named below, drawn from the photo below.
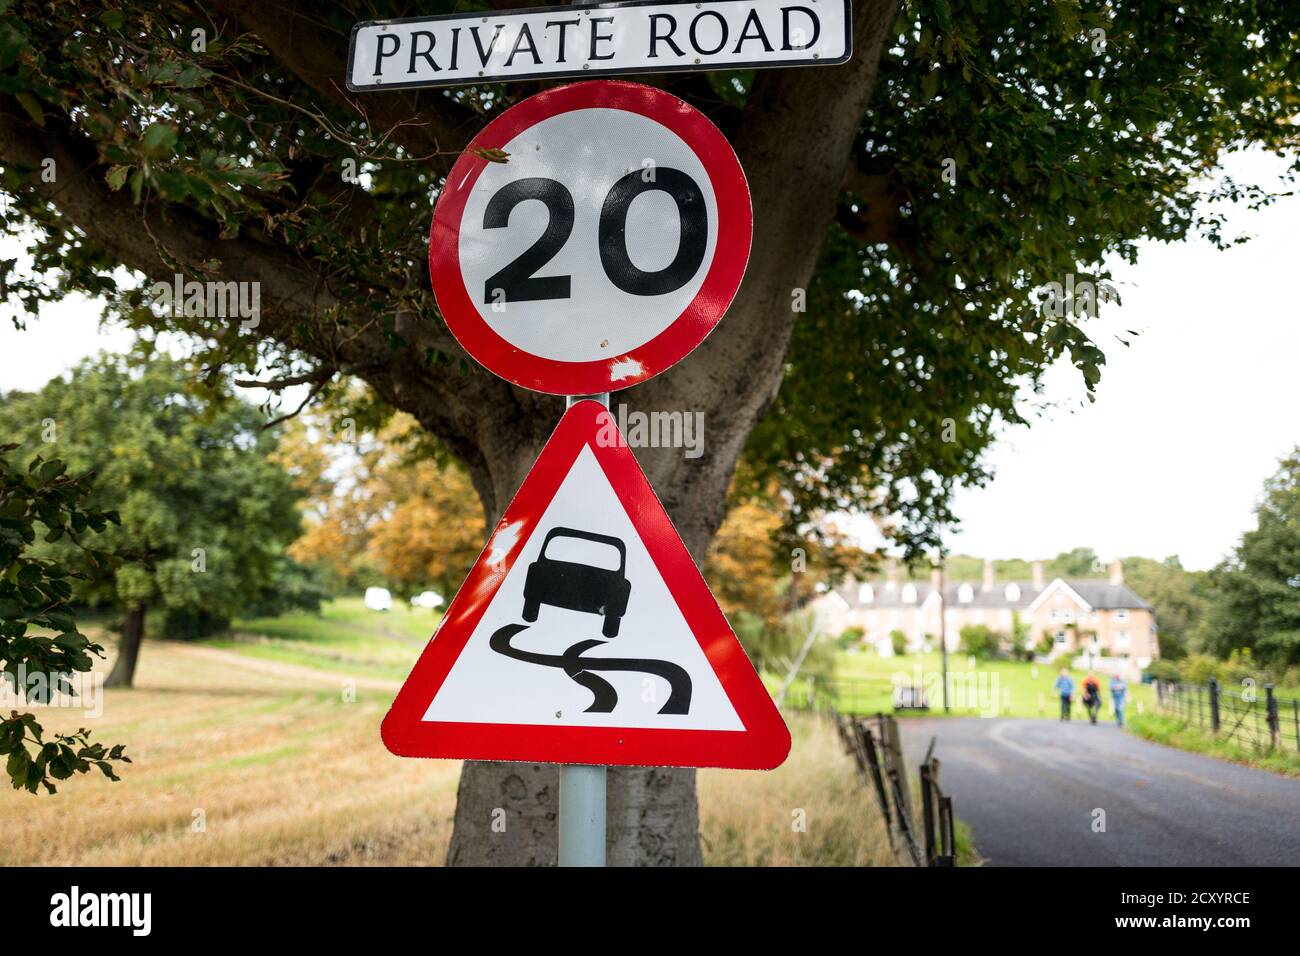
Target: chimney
(988, 576)
(1117, 572)
(936, 578)
(891, 575)
(1038, 575)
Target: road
(1029, 789)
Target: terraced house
(1101, 616)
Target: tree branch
(317, 377)
(315, 390)
(424, 122)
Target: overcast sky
(1189, 420)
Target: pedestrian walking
(1065, 688)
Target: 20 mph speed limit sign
(603, 250)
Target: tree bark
(128, 651)
(795, 143)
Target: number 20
(519, 282)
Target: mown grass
(233, 765)
(975, 687)
(250, 754)
(1175, 732)
(344, 638)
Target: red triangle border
(762, 745)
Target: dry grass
(749, 819)
(286, 772)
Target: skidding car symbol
(578, 587)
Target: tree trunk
(796, 146)
(128, 651)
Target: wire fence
(1262, 721)
(853, 697)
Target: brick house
(1080, 615)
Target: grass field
(264, 749)
(1175, 732)
(975, 687)
(345, 637)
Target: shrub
(851, 637)
(899, 640)
(1163, 670)
(981, 641)
(1199, 668)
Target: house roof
(1103, 595)
(1098, 593)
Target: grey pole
(582, 815)
(943, 626)
(582, 788)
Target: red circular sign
(606, 247)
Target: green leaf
(159, 140)
(116, 177)
(33, 107)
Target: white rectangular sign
(607, 39)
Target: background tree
(1255, 594)
(1075, 563)
(220, 154)
(201, 500)
(1179, 597)
(400, 512)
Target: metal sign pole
(582, 815)
(582, 788)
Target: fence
(878, 754)
(1264, 723)
(855, 697)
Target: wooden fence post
(1214, 705)
(1270, 713)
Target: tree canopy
(1074, 131)
(393, 515)
(1255, 594)
(204, 508)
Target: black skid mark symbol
(579, 669)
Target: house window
(1067, 616)
(866, 594)
(1051, 615)
(1012, 593)
(1121, 614)
(909, 593)
(1060, 637)
(1121, 639)
(965, 594)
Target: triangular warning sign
(585, 633)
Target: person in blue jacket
(1065, 687)
(1118, 693)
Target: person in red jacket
(1092, 696)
